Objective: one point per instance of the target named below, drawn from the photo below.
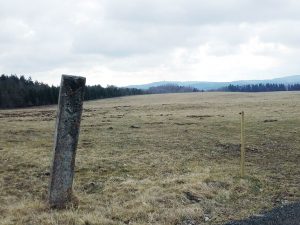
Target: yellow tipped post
(242, 169)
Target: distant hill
(205, 85)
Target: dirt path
(284, 215)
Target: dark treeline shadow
(261, 87)
(170, 88)
(18, 92)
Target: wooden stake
(242, 169)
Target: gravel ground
(284, 215)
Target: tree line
(261, 87)
(170, 88)
(23, 92)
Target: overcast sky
(139, 41)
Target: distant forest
(174, 88)
(261, 87)
(170, 88)
(18, 91)
(23, 92)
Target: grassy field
(156, 159)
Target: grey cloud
(122, 39)
(201, 11)
(137, 35)
(286, 32)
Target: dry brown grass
(156, 159)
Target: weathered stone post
(65, 140)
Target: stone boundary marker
(70, 101)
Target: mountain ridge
(207, 85)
